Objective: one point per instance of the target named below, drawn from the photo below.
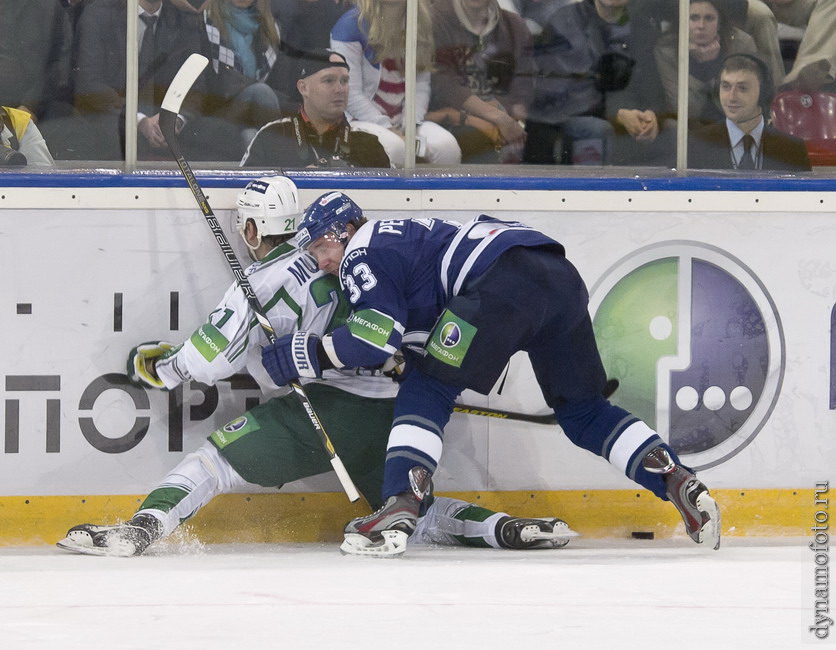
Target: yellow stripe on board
(246, 518)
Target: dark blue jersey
(399, 274)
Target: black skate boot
(699, 510)
(121, 540)
(384, 532)
(520, 533)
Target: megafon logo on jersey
(450, 335)
(697, 343)
(236, 425)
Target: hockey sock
(615, 434)
(479, 526)
(422, 410)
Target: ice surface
(609, 594)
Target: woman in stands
(371, 37)
(711, 39)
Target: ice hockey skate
(699, 510)
(384, 532)
(521, 533)
(121, 540)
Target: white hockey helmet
(272, 202)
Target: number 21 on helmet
(272, 203)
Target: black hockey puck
(641, 534)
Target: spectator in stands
(306, 24)
(74, 9)
(754, 17)
(588, 112)
(815, 65)
(167, 38)
(193, 6)
(319, 135)
(536, 13)
(251, 84)
(483, 80)
(20, 141)
(35, 57)
(744, 141)
(711, 39)
(792, 17)
(371, 37)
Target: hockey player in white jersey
(460, 300)
(274, 443)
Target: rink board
(320, 517)
(725, 297)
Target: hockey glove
(141, 360)
(292, 356)
(394, 366)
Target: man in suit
(166, 37)
(744, 141)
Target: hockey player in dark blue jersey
(457, 301)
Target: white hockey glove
(142, 359)
(394, 366)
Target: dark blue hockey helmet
(327, 216)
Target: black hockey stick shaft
(180, 86)
(547, 418)
(499, 414)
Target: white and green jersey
(295, 295)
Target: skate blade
(559, 534)
(710, 531)
(392, 545)
(86, 548)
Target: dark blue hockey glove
(292, 356)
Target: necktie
(146, 48)
(746, 160)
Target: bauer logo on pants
(697, 343)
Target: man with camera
(319, 134)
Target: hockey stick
(548, 418)
(180, 86)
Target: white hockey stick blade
(183, 81)
(392, 545)
(710, 532)
(345, 479)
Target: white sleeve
(422, 95)
(33, 146)
(216, 349)
(294, 294)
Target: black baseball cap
(313, 61)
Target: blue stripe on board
(447, 181)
